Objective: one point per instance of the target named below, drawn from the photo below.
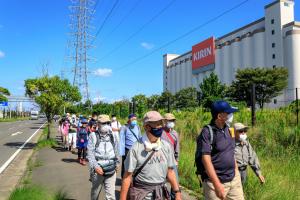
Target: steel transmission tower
(81, 16)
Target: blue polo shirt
(127, 139)
(222, 152)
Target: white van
(34, 114)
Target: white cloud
(2, 54)
(147, 45)
(104, 72)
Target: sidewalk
(60, 170)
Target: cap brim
(231, 110)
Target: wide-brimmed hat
(152, 116)
(240, 126)
(103, 118)
(169, 116)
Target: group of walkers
(148, 156)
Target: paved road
(13, 135)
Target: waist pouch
(109, 169)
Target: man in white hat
(244, 153)
(149, 164)
(103, 157)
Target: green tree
(140, 103)
(211, 89)
(186, 98)
(51, 94)
(153, 102)
(163, 100)
(3, 92)
(269, 83)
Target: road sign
(5, 103)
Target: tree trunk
(48, 134)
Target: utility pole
(253, 102)
(297, 108)
(81, 15)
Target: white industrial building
(271, 41)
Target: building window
(273, 32)
(286, 4)
(273, 45)
(275, 101)
(272, 21)
(273, 56)
(274, 66)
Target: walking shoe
(79, 160)
(83, 162)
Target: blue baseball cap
(131, 116)
(222, 106)
(84, 121)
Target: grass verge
(275, 139)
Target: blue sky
(33, 33)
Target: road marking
(16, 133)
(5, 165)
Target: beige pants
(233, 189)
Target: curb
(13, 174)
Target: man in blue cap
(129, 134)
(215, 156)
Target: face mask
(229, 118)
(133, 123)
(105, 128)
(243, 137)
(170, 124)
(114, 118)
(157, 132)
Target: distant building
(271, 41)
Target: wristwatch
(176, 191)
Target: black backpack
(198, 155)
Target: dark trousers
(123, 159)
(81, 153)
(243, 174)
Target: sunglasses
(242, 131)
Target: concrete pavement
(60, 170)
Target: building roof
(242, 28)
(277, 1)
(294, 23)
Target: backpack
(109, 169)
(198, 155)
(82, 135)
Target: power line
(184, 35)
(123, 19)
(106, 18)
(140, 29)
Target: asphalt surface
(14, 134)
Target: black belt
(242, 168)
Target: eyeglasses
(242, 131)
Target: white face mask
(114, 119)
(170, 124)
(105, 128)
(243, 137)
(229, 118)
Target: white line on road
(3, 167)
(16, 133)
